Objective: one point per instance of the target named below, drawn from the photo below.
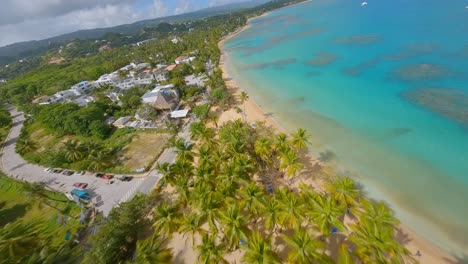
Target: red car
(80, 185)
(107, 176)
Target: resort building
(184, 59)
(83, 100)
(162, 97)
(166, 100)
(120, 123)
(160, 75)
(179, 113)
(82, 88)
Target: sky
(23, 20)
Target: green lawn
(17, 204)
(143, 150)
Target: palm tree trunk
(245, 116)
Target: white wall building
(82, 87)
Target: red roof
(171, 67)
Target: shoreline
(254, 113)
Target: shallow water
(384, 87)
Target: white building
(107, 79)
(83, 100)
(194, 80)
(184, 59)
(67, 94)
(114, 95)
(82, 87)
(160, 75)
(151, 96)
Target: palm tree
(38, 192)
(166, 216)
(292, 209)
(281, 142)
(300, 139)
(258, 250)
(165, 170)
(153, 250)
(344, 257)
(26, 145)
(344, 191)
(213, 117)
(184, 150)
(243, 98)
(204, 174)
(304, 249)
(375, 244)
(326, 214)
(74, 150)
(210, 252)
(191, 223)
(263, 148)
(235, 225)
(271, 213)
(290, 163)
(98, 160)
(208, 203)
(378, 214)
(252, 197)
(19, 240)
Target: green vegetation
(5, 123)
(201, 111)
(34, 224)
(227, 194)
(117, 237)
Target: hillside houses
(82, 88)
(133, 75)
(78, 94)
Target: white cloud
(105, 16)
(23, 20)
(212, 3)
(183, 6)
(159, 9)
(17, 11)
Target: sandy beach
(254, 113)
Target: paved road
(107, 195)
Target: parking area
(106, 195)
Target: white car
(47, 169)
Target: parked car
(107, 176)
(80, 185)
(99, 175)
(80, 172)
(125, 178)
(80, 194)
(57, 170)
(68, 172)
(48, 169)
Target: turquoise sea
(384, 87)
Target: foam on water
(384, 87)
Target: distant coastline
(254, 113)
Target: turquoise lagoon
(384, 87)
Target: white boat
(363, 3)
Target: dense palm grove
(224, 194)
